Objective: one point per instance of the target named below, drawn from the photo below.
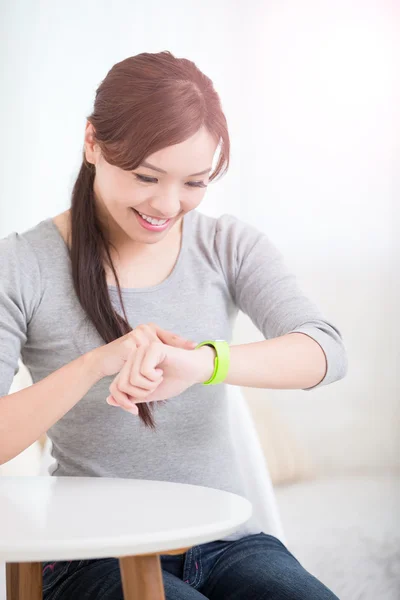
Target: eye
(199, 184)
(146, 179)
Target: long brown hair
(146, 102)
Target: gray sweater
(224, 266)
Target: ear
(92, 149)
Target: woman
(102, 302)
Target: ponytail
(89, 250)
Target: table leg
(24, 581)
(141, 577)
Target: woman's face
(170, 183)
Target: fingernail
(133, 411)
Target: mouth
(151, 226)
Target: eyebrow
(149, 166)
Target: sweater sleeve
(264, 289)
(19, 297)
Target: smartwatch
(221, 362)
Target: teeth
(153, 221)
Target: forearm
(26, 414)
(292, 361)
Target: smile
(150, 223)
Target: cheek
(192, 200)
(118, 191)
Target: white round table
(73, 518)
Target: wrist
(91, 366)
(206, 363)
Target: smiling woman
(176, 129)
(136, 264)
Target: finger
(111, 401)
(130, 381)
(126, 380)
(130, 406)
(125, 395)
(154, 356)
(133, 409)
(172, 339)
(121, 398)
(156, 333)
(143, 337)
(139, 385)
(150, 332)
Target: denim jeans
(256, 567)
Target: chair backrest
(251, 459)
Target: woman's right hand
(109, 359)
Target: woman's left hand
(178, 370)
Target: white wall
(311, 93)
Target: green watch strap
(222, 360)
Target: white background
(311, 92)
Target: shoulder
(21, 280)
(232, 236)
(24, 254)
(16, 251)
(226, 227)
(236, 239)
(231, 228)
(234, 243)
(40, 243)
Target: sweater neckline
(186, 224)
